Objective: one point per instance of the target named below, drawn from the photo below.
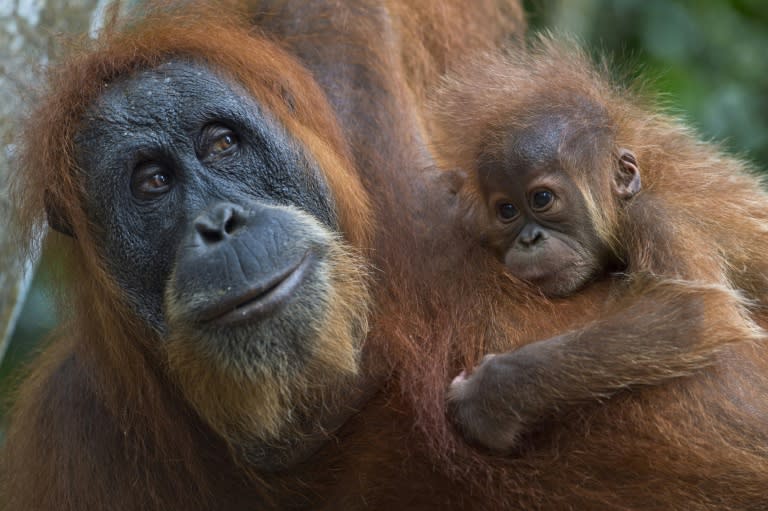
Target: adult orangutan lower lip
(261, 299)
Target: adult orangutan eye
(506, 211)
(224, 143)
(150, 181)
(218, 141)
(542, 200)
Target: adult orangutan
(217, 244)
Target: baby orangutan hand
(492, 406)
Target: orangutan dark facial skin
(222, 235)
(540, 224)
(200, 185)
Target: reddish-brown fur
(98, 427)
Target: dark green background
(708, 57)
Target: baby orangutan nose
(531, 236)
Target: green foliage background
(708, 57)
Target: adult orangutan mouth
(261, 298)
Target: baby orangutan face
(538, 220)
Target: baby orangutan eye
(506, 211)
(542, 200)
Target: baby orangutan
(538, 219)
(556, 156)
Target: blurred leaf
(708, 58)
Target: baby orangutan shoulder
(570, 180)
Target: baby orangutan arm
(663, 329)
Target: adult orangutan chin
(234, 206)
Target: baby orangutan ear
(626, 182)
(442, 188)
(450, 180)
